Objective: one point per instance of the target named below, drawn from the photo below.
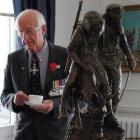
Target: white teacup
(35, 99)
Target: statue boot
(76, 123)
(98, 129)
(76, 120)
(97, 123)
(110, 121)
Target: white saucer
(32, 104)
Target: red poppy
(53, 67)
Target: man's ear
(44, 29)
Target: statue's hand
(88, 68)
(131, 63)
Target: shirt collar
(42, 52)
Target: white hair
(31, 12)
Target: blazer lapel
(48, 83)
(25, 71)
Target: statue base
(113, 134)
(109, 134)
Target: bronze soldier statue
(112, 46)
(84, 52)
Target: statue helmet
(91, 14)
(113, 14)
(92, 18)
(114, 7)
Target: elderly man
(28, 72)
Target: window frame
(11, 119)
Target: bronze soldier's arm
(74, 47)
(125, 47)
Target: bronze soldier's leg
(97, 116)
(101, 78)
(110, 121)
(98, 119)
(76, 122)
(115, 78)
(67, 89)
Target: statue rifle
(69, 59)
(77, 17)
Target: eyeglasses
(29, 31)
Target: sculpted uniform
(112, 46)
(83, 50)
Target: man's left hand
(45, 107)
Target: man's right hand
(20, 98)
(131, 63)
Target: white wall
(130, 103)
(65, 15)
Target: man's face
(116, 16)
(31, 35)
(97, 25)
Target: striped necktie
(35, 83)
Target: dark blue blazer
(33, 125)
